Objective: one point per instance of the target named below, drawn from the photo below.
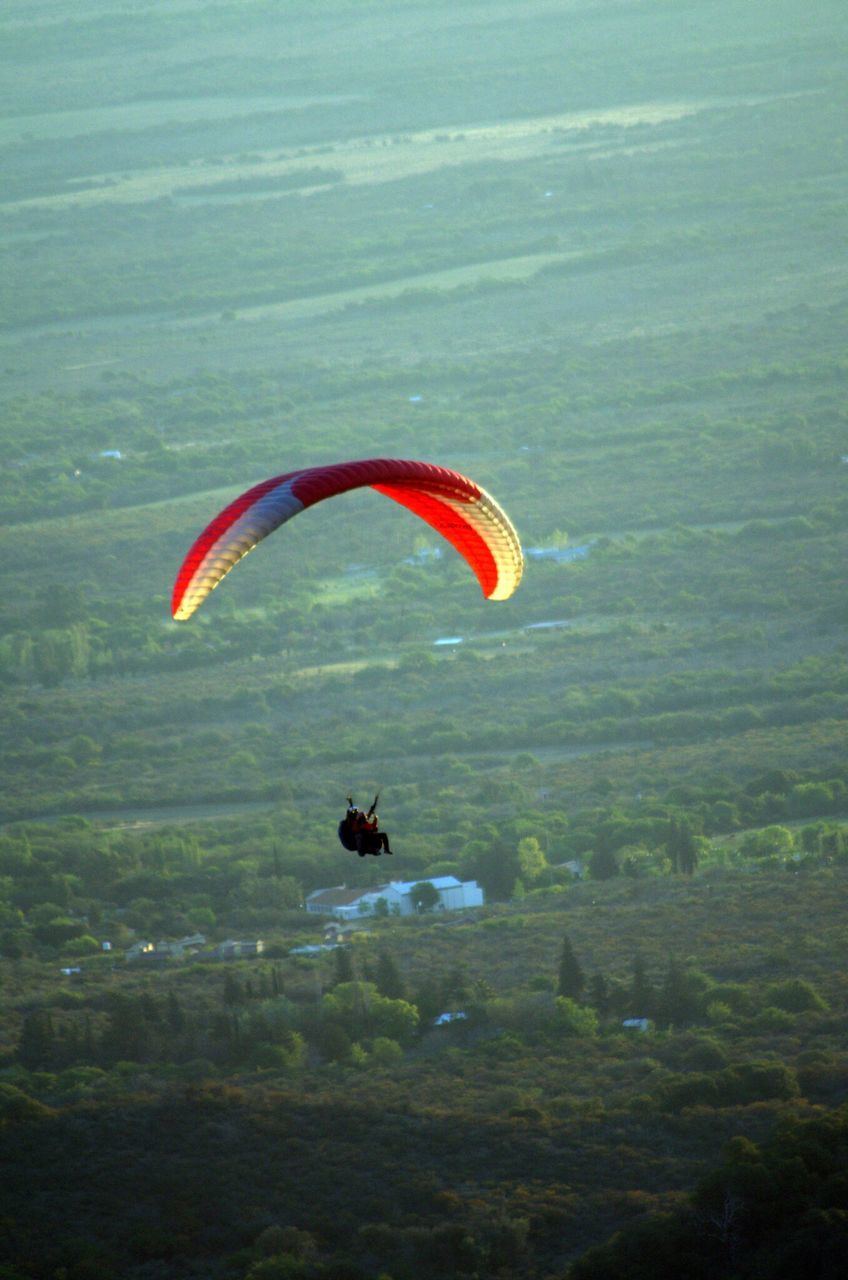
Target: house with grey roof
(339, 901)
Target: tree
(388, 980)
(56, 655)
(769, 842)
(641, 996)
(493, 863)
(84, 749)
(682, 847)
(360, 1010)
(531, 860)
(599, 994)
(233, 991)
(672, 1003)
(17, 1107)
(424, 896)
(343, 966)
(385, 1052)
(175, 1015)
(61, 605)
(37, 1045)
(573, 1019)
(603, 864)
(455, 986)
(795, 995)
(127, 1034)
(570, 979)
(774, 1210)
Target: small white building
(238, 949)
(637, 1024)
(164, 949)
(139, 949)
(454, 895)
(560, 555)
(445, 1018)
(348, 904)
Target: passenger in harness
(360, 832)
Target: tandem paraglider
(452, 504)
(359, 830)
(464, 514)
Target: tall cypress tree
(37, 1045)
(682, 848)
(455, 986)
(642, 995)
(676, 1005)
(344, 966)
(233, 991)
(570, 981)
(687, 850)
(176, 1018)
(388, 979)
(599, 994)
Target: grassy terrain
(593, 255)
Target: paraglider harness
(357, 839)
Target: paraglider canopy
(463, 513)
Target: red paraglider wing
(459, 531)
(467, 516)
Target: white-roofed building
(454, 895)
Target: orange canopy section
(463, 513)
